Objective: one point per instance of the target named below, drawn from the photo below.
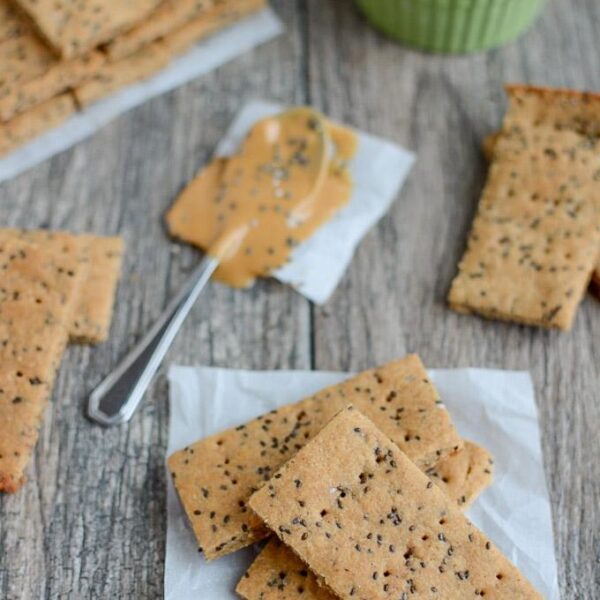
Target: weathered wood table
(90, 523)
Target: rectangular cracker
(216, 476)
(74, 27)
(116, 75)
(100, 258)
(536, 235)
(370, 524)
(37, 297)
(278, 573)
(37, 120)
(489, 144)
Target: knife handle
(115, 400)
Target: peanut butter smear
(251, 210)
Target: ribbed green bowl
(453, 26)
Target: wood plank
(393, 299)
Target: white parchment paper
(203, 58)
(378, 170)
(494, 408)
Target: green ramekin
(453, 26)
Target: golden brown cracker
(74, 27)
(464, 474)
(370, 524)
(39, 288)
(35, 121)
(93, 313)
(215, 476)
(278, 574)
(489, 143)
(535, 238)
(38, 78)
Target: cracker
(101, 259)
(216, 476)
(73, 27)
(37, 120)
(37, 296)
(36, 76)
(93, 313)
(535, 239)
(489, 144)
(12, 25)
(464, 474)
(596, 280)
(277, 573)
(113, 76)
(363, 517)
(222, 15)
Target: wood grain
(91, 521)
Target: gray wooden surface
(90, 523)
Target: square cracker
(30, 72)
(74, 27)
(536, 235)
(100, 258)
(278, 573)
(370, 524)
(37, 297)
(35, 121)
(216, 476)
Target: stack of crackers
(535, 242)
(360, 489)
(56, 287)
(58, 56)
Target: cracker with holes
(536, 236)
(39, 290)
(370, 524)
(278, 573)
(216, 476)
